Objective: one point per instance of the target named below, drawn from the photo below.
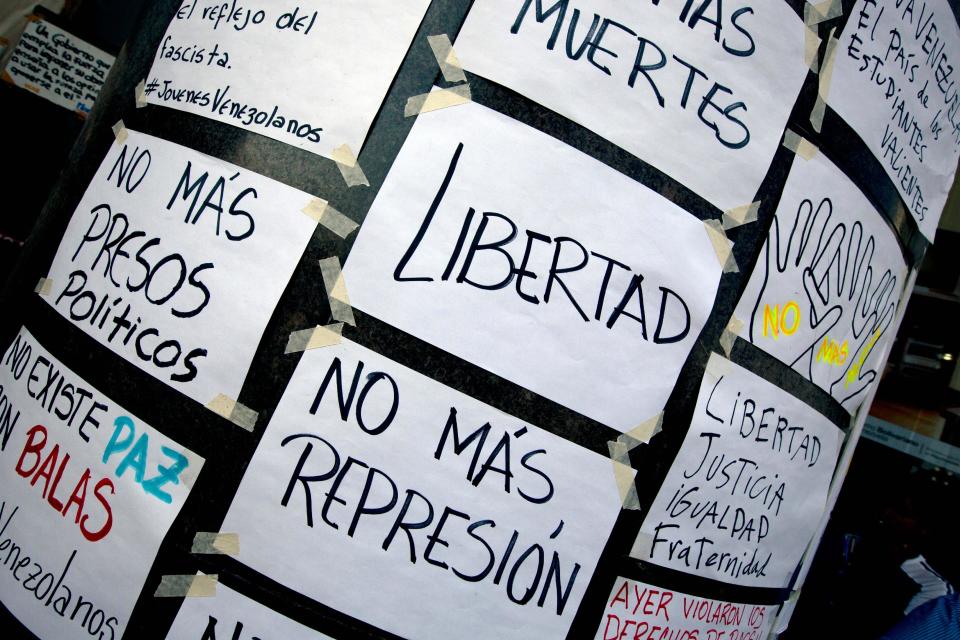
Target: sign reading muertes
(700, 90)
(640, 611)
(311, 73)
(87, 494)
(175, 260)
(444, 504)
(824, 294)
(493, 241)
(894, 82)
(748, 487)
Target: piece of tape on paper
(811, 47)
(314, 338)
(729, 335)
(823, 89)
(437, 99)
(119, 132)
(184, 586)
(813, 15)
(620, 450)
(744, 214)
(721, 245)
(323, 213)
(347, 163)
(43, 286)
(799, 145)
(333, 282)
(211, 542)
(642, 546)
(624, 474)
(140, 94)
(240, 415)
(642, 433)
(718, 367)
(450, 66)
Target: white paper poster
(894, 83)
(88, 494)
(747, 489)
(459, 516)
(700, 92)
(231, 615)
(312, 74)
(827, 284)
(497, 243)
(58, 66)
(175, 260)
(640, 611)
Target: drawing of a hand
(842, 307)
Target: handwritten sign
(894, 83)
(311, 74)
(825, 291)
(58, 66)
(684, 86)
(174, 260)
(494, 242)
(233, 615)
(747, 489)
(88, 493)
(636, 610)
(425, 495)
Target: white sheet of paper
(475, 551)
(893, 82)
(747, 489)
(58, 66)
(702, 95)
(495, 179)
(88, 494)
(233, 615)
(312, 74)
(640, 610)
(827, 284)
(175, 260)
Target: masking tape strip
(140, 94)
(240, 415)
(642, 546)
(823, 90)
(120, 132)
(718, 366)
(183, 586)
(43, 286)
(333, 282)
(314, 338)
(450, 66)
(814, 14)
(211, 542)
(624, 474)
(188, 477)
(721, 245)
(799, 145)
(744, 214)
(727, 339)
(642, 433)
(347, 163)
(729, 335)
(437, 99)
(811, 46)
(320, 210)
